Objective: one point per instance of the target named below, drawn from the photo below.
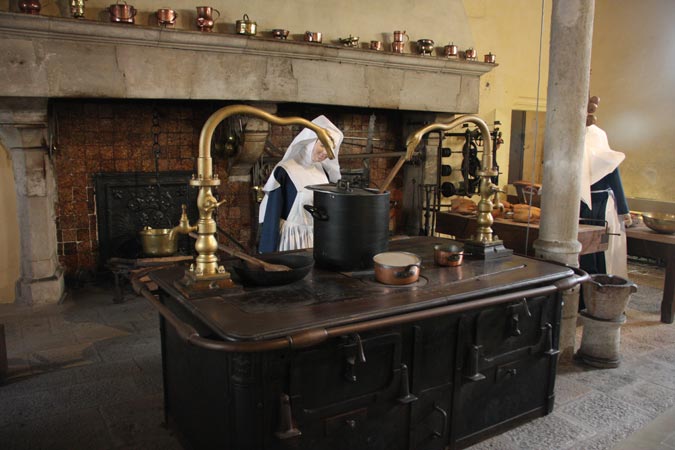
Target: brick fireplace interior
(94, 137)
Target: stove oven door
(344, 393)
(506, 367)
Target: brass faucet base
(487, 251)
(192, 286)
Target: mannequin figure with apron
(603, 199)
(286, 225)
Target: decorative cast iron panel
(127, 202)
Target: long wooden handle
(392, 174)
(248, 258)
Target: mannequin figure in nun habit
(603, 199)
(286, 225)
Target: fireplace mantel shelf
(58, 57)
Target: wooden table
(648, 243)
(514, 233)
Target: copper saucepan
(448, 254)
(397, 267)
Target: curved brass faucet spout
(206, 266)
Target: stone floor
(87, 374)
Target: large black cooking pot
(351, 225)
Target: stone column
(23, 131)
(567, 97)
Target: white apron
(298, 230)
(616, 255)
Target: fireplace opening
(128, 202)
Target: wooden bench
(123, 269)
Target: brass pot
(450, 255)
(351, 41)
(397, 267)
(246, 26)
(159, 241)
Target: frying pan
(300, 266)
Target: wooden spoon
(267, 267)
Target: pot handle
(317, 213)
(408, 271)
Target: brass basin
(660, 222)
(158, 241)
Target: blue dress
(278, 206)
(595, 262)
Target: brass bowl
(660, 222)
(158, 242)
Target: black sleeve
(279, 203)
(614, 180)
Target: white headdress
(599, 160)
(301, 150)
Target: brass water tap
(206, 268)
(183, 226)
(487, 188)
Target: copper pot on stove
(450, 255)
(397, 268)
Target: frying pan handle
(317, 213)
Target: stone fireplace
(81, 96)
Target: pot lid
(344, 188)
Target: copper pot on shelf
(470, 54)
(166, 17)
(280, 33)
(205, 20)
(313, 36)
(398, 47)
(451, 51)
(401, 36)
(30, 6)
(122, 13)
(490, 58)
